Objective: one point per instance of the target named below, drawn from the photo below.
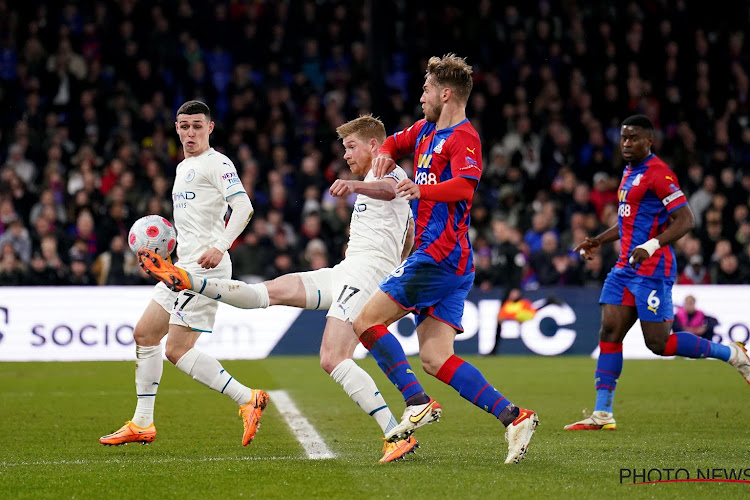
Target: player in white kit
(381, 235)
(206, 182)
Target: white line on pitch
(140, 459)
(306, 434)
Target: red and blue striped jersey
(442, 229)
(648, 193)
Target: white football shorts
(344, 288)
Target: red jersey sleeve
(466, 156)
(667, 189)
(402, 143)
(456, 189)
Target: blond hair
(366, 127)
(452, 71)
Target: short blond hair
(452, 71)
(366, 127)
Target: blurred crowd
(88, 91)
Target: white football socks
(148, 369)
(362, 389)
(209, 372)
(235, 293)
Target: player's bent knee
(431, 365)
(174, 354)
(657, 346)
(328, 362)
(145, 337)
(360, 325)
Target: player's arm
(383, 189)
(683, 221)
(588, 247)
(408, 240)
(450, 191)
(394, 147)
(242, 211)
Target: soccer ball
(154, 233)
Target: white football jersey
(378, 227)
(201, 187)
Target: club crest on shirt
(190, 175)
(439, 148)
(637, 179)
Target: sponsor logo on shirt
(231, 178)
(183, 195)
(470, 163)
(180, 199)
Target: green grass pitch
(671, 414)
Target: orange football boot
(155, 265)
(399, 449)
(130, 433)
(251, 413)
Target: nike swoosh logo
(218, 296)
(377, 392)
(419, 416)
(408, 370)
(523, 416)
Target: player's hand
(407, 189)
(637, 257)
(341, 187)
(381, 165)
(588, 248)
(210, 258)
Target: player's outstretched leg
(174, 277)
(130, 433)
(232, 292)
(472, 386)
(691, 346)
(608, 370)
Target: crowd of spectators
(88, 91)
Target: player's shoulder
(217, 158)
(466, 128)
(415, 127)
(658, 170)
(465, 133)
(657, 165)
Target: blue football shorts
(420, 285)
(652, 297)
